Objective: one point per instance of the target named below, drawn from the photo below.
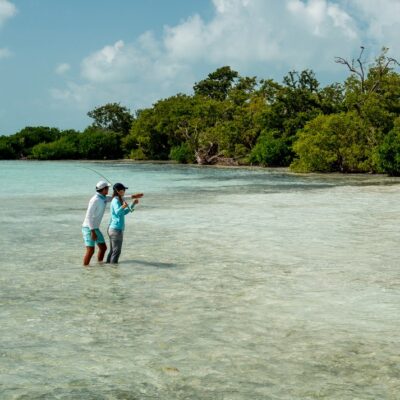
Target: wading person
(91, 225)
(118, 209)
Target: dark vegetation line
(347, 127)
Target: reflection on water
(155, 264)
(233, 284)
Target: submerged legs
(116, 239)
(102, 251)
(88, 255)
(90, 251)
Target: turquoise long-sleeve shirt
(117, 220)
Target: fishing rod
(139, 195)
(98, 173)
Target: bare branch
(372, 77)
(394, 61)
(340, 60)
(360, 63)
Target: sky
(60, 59)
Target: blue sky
(61, 58)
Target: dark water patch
(155, 264)
(252, 188)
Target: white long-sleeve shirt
(95, 211)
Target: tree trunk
(207, 155)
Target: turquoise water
(232, 284)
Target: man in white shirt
(91, 225)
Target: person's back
(95, 211)
(91, 224)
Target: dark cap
(119, 186)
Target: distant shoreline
(283, 170)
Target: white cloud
(5, 53)
(321, 16)
(382, 22)
(62, 68)
(74, 93)
(244, 32)
(229, 6)
(137, 74)
(7, 10)
(255, 37)
(110, 64)
(378, 20)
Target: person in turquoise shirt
(118, 209)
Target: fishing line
(98, 173)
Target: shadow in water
(154, 264)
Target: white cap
(102, 184)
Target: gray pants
(116, 239)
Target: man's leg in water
(102, 251)
(88, 255)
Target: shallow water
(232, 284)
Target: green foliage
(289, 107)
(137, 154)
(356, 140)
(243, 90)
(112, 117)
(374, 91)
(346, 127)
(61, 149)
(298, 99)
(183, 153)
(6, 149)
(23, 141)
(337, 142)
(216, 86)
(99, 144)
(238, 128)
(261, 122)
(140, 136)
(271, 150)
(171, 122)
(64, 148)
(240, 151)
(389, 151)
(331, 99)
(154, 130)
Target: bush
(24, 140)
(270, 151)
(99, 144)
(389, 151)
(337, 142)
(182, 154)
(6, 150)
(61, 149)
(137, 154)
(241, 151)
